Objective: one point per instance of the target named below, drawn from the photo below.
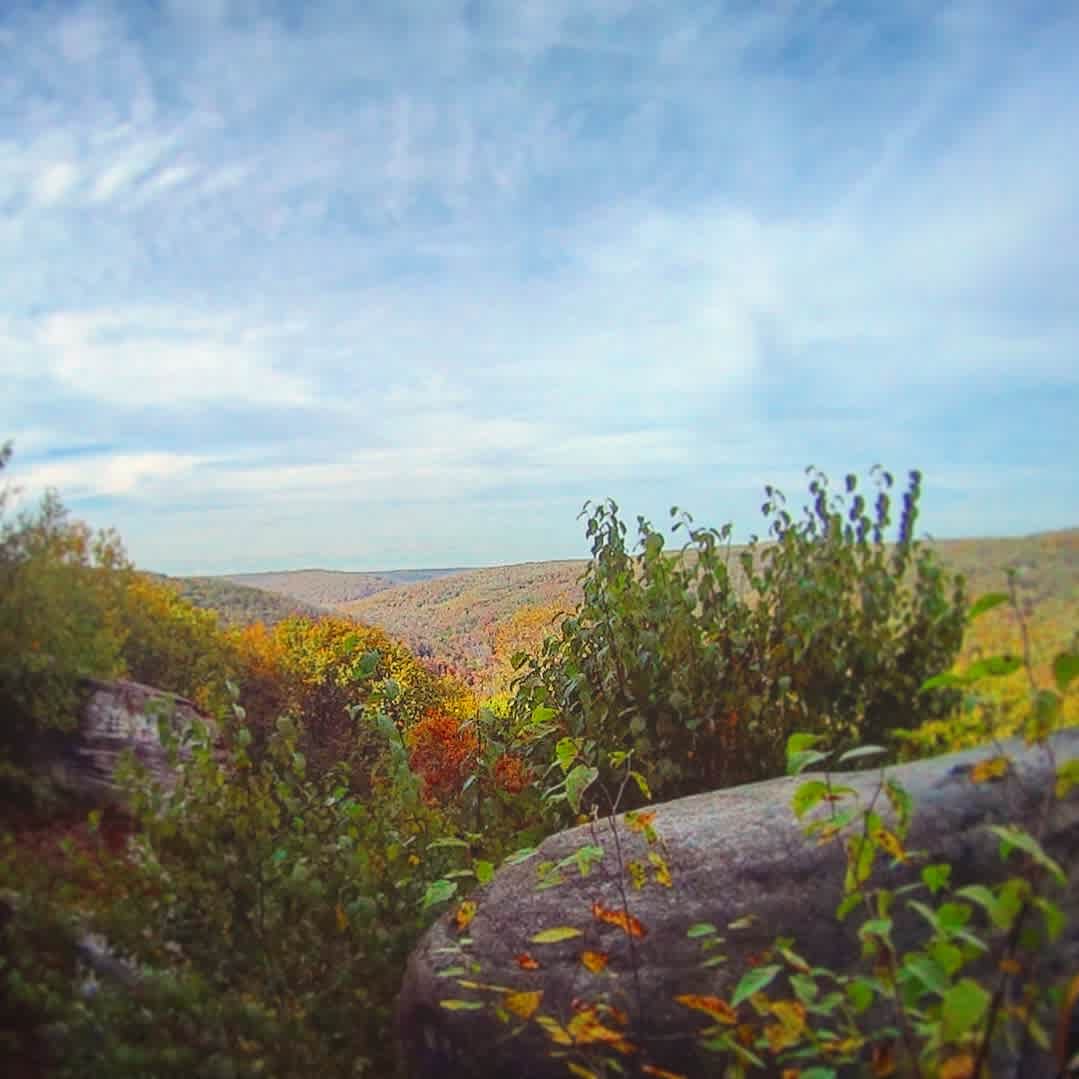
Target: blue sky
(381, 285)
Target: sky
(403, 284)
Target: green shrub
(60, 591)
(705, 661)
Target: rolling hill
(239, 604)
(329, 588)
(454, 617)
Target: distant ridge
(239, 604)
(328, 587)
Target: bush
(704, 662)
(60, 596)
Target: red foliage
(441, 750)
(512, 774)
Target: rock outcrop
(115, 717)
(732, 855)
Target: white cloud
(106, 474)
(54, 181)
(139, 357)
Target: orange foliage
(442, 750)
(512, 774)
(261, 658)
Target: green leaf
(700, 929)
(962, 1009)
(799, 743)
(800, 754)
(946, 955)
(927, 972)
(541, 714)
(484, 871)
(555, 935)
(587, 856)
(754, 981)
(953, 916)
(848, 904)
(519, 856)
(1065, 670)
(880, 928)
(807, 796)
(446, 841)
(799, 762)
(1054, 917)
(993, 667)
(937, 877)
(642, 784)
(805, 988)
(1014, 838)
(461, 1005)
(947, 680)
(986, 603)
(860, 994)
(577, 782)
(862, 751)
(438, 891)
(566, 753)
(901, 802)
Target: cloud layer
(403, 284)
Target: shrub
(704, 662)
(60, 596)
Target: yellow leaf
(788, 1031)
(991, 768)
(554, 1030)
(586, 1029)
(555, 935)
(662, 870)
(713, 1006)
(637, 874)
(889, 843)
(957, 1067)
(465, 913)
(580, 1070)
(342, 917)
(845, 1047)
(594, 961)
(523, 1005)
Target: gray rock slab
(732, 853)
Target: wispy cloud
(407, 282)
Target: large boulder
(114, 718)
(731, 854)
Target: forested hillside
(328, 588)
(239, 604)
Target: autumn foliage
(442, 750)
